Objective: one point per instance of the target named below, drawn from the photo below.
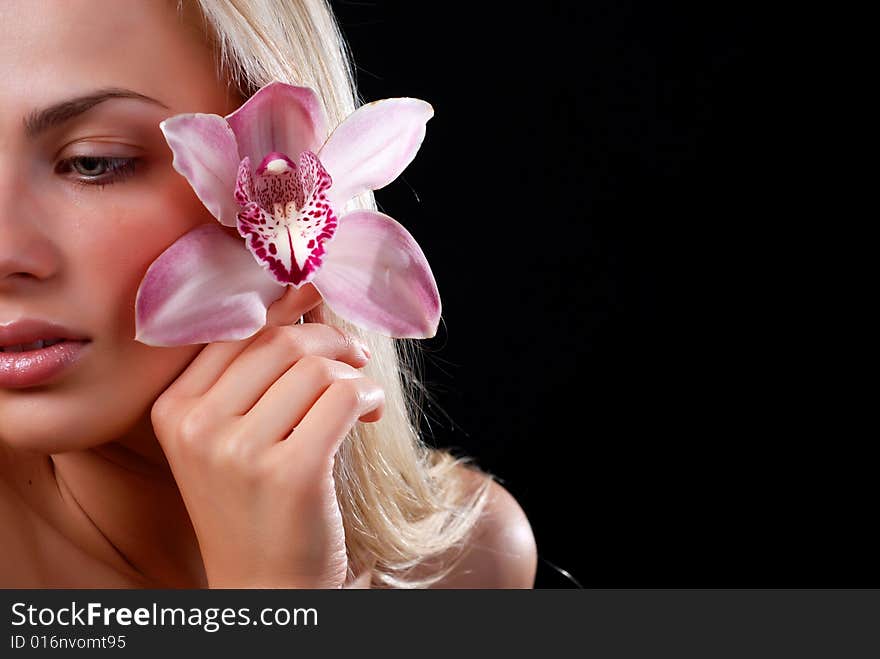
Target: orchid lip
(286, 219)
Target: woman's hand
(250, 430)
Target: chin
(46, 421)
(108, 398)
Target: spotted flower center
(285, 217)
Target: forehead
(61, 48)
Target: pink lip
(28, 330)
(34, 367)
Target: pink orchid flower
(212, 286)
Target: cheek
(118, 260)
(109, 244)
(116, 250)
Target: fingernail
(364, 349)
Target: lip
(35, 367)
(28, 330)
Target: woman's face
(73, 251)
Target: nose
(27, 252)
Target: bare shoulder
(501, 552)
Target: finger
(287, 309)
(267, 358)
(316, 439)
(204, 371)
(290, 398)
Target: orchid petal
(206, 154)
(204, 288)
(373, 146)
(376, 276)
(279, 117)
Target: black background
(602, 200)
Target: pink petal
(376, 276)
(279, 117)
(204, 288)
(205, 152)
(286, 219)
(373, 146)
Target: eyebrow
(39, 121)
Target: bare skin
(49, 541)
(112, 480)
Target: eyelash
(118, 168)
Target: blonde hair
(402, 502)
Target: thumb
(295, 302)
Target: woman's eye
(97, 170)
(90, 166)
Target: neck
(124, 496)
